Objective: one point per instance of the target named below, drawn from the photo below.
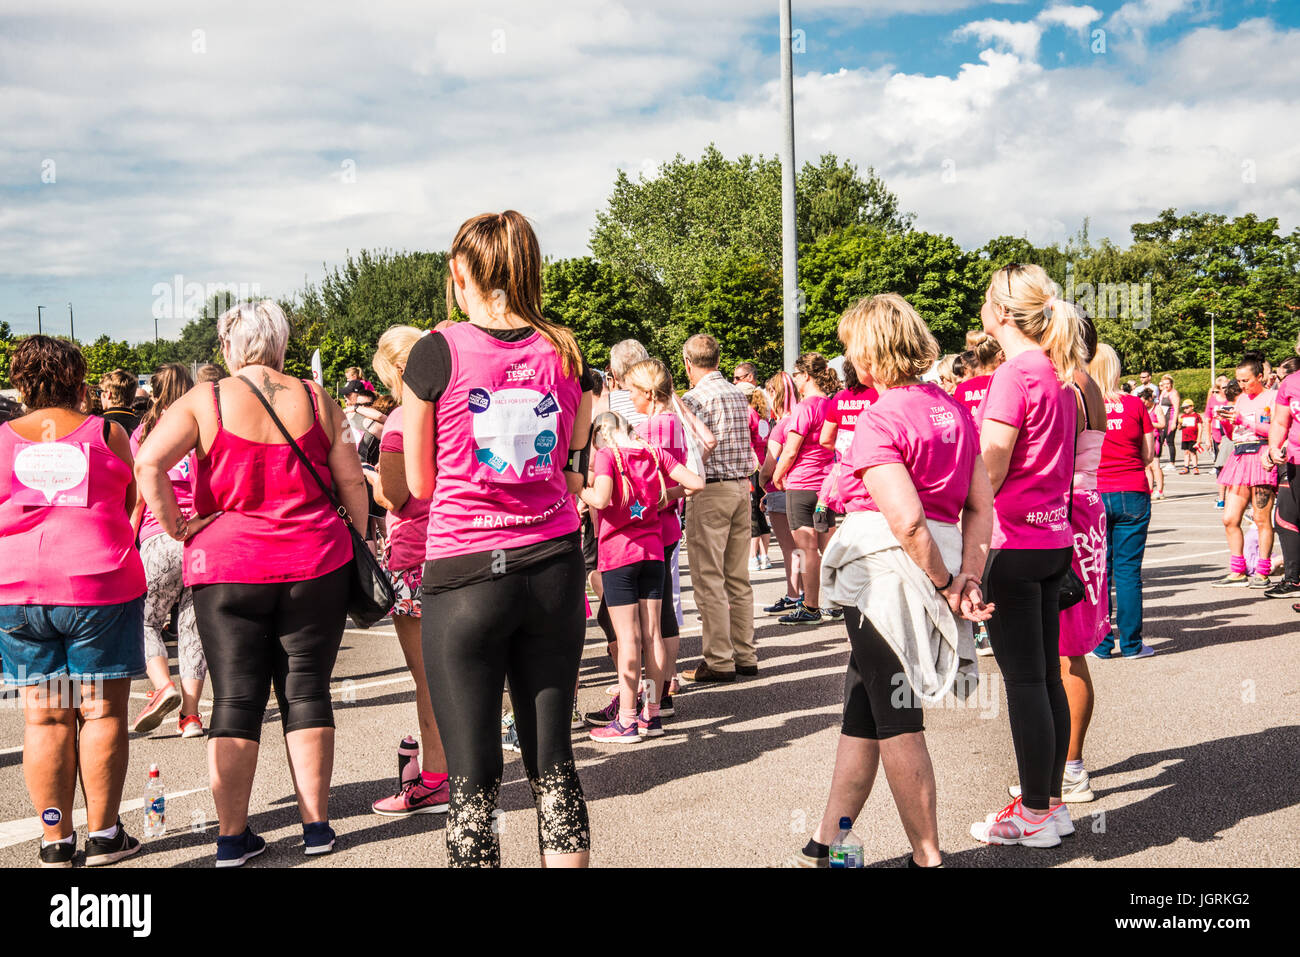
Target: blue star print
(636, 509)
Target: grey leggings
(161, 555)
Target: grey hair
(624, 356)
(254, 333)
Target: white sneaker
(755, 565)
(1074, 789)
(985, 650)
(1011, 826)
(1064, 826)
(765, 562)
(1146, 652)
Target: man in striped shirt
(717, 520)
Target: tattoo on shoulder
(270, 388)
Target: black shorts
(799, 508)
(640, 581)
(1189, 446)
(757, 517)
(878, 701)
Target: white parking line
(29, 828)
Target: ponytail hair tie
(1047, 306)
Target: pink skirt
(1085, 624)
(1247, 469)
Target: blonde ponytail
(1029, 295)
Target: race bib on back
(51, 473)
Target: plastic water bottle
(408, 762)
(846, 849)
(155, 805)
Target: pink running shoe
(415, 798)
(1013, 825)
(615, 733)
(190, 726)
(161, 703)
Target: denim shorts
(84, 642)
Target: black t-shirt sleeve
(428, 367)
(588, 377)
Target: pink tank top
(276, 523)
(182, 479)
(64, 529)
(501, 441)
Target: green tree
(104, 355)
(598, 304)
(7, 344)
(739, 303)
(943, 282)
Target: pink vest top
(65, 535)
(277, 525)
(501, 441)
(182, 478)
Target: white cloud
(1021, 38)
(1141, 14)
(1072, 18)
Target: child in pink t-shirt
(630, 482)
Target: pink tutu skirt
(1085, 624)
(1247, 469)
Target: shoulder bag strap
(311, 469)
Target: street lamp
(38, 319)
(789, 225)
(72, 329)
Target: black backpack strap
(311, 469)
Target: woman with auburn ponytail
(1028, 423)
(497, 420)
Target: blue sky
(247, 144)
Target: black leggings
(878, 701)
(668, 626)
(1288, 519)
(284, 635)
(1025, 633)
(526, 626)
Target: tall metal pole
(72, 329)
(38, 319)
(1212, 375)
(789, 227)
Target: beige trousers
(717, 542)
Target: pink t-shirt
(1252, 416)
(1288, 394)
(759, 430)
(1216, 424)
(664, 432)
(504, 424)
(1122, 468)
(845, 408)
(813, 461)
(777, 437)
(182, 479)
(66, 544)
(971, 392)
(924, 429)
(629, 529)
(1030, 508)
(406, 528)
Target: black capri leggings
(284, 635)
(1025, 632)
(1288, 520)
(526, 627)
(878, 701)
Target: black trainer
(110, 850)
(59, 855)
(1282, 589)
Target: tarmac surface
(1193, 753)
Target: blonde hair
(649, 375)
(758, 402)
(609, 427)
(254, 333)
(118, 389)
(1029, 295)
(947, 379)
(1105, 370)
(887, 335)
(393, 349)
(784, 394)
(985, 348)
